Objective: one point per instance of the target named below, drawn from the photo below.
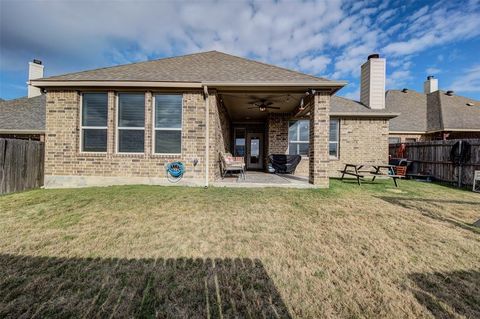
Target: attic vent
(405, 90)
(470, 104)
(449, 93)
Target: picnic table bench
(374, 170)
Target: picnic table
(360, 171)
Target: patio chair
(230, 164)
(398, 172)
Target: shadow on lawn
(145, 288)
(448, 295)
(424, 207)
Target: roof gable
(212, 66)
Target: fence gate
(21, 165)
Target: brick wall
(62, 147)
(220, 134)
(277, 133)
(361, 141)
(318, 148)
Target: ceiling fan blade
(251, 108)
(273, 107)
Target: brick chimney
(372, 82)
(35, 71)
(430, 85)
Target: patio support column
(319, 128)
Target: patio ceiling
(238, 104)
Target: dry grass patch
(141, 251)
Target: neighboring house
(120, 125)
(432, 115)
(24, 118)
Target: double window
(93, 129)
(299, 138)
(167, 124)
(131, 123)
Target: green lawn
(146, 251)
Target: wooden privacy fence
(433, 158)
(21, 165)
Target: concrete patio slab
(261, 179)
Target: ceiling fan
(263, 105)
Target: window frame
(337, 156)
(118, 128)
(82, 127)
(297, 142)
(155, 129)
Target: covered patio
(256, 123)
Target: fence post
(460, 164)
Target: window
(410, 140)
(93, 128)
(393, 140)
(168, 124)
(333, 138)
(239, 149)
(130, 123)
(298, 137)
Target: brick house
(432, 114)
(120, 125)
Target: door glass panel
(239, 147)
(254, 150)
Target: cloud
(330, 37)
(386, 15)
(468, 82)
(314, 65)
(398, 78)
(433, 70)
(439, 26)
(418, 13)
(99, 33)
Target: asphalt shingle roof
(23, 114)
(421, 112)
(340, 104)
(455, 113)
(412, 107)
(212, 66)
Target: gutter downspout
(207, 133)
